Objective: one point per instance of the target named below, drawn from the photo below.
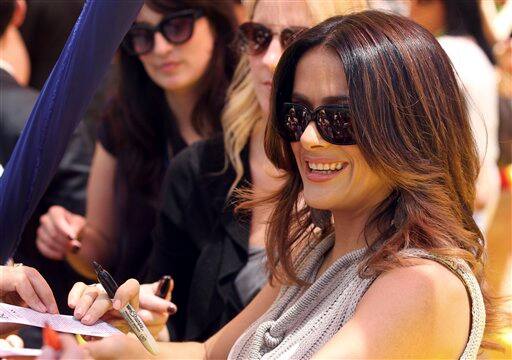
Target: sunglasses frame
(193, 13)
(244, 40)
(315, 115)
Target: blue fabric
(58, 110)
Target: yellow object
(80, 339)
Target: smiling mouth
(325, 169)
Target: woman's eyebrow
(298, 97)
(335, 99)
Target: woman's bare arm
(99, 234)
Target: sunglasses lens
(288, 35)
(179, 29)
(294, 121)
(139, 41)
(333, 123)
(255, 37)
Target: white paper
(60, 323)
(12, 352)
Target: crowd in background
(176, 132)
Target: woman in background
(175, 66)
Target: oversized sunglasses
(333, 122)
(255, 38)
(176, 28)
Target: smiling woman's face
(352, 185)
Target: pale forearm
(182, 350)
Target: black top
(17, 103)
(199, 240)
(135, 214)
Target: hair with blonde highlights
(242, 110)
(412, 127)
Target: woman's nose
(162, 46)
(273, 54)
(311, 138)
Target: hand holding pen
(58, 233)
(91, 303)
(128, 312)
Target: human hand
(117, 347)
(24, 286)
(56, 228)
(70, 350)
(92, 303)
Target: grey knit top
(302, 320)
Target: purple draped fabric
(60, 106)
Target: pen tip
(97, 267)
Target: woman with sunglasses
(175, 66)
(216, 257)
(395, 269)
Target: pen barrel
(139, 329)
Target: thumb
(127, 293)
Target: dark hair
(140, 119)
(411, 124)
(465, 18)
(6, 11)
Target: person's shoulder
(424, 295)
(423, 279)
(17, 94)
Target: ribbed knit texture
(302, 320)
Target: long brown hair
(412, 126)
(139, 116)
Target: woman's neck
(182, 104)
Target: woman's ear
(20, 11)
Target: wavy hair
(412, 127)
(242, 110)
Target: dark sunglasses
(176, 28)
(332, 121)
(255, 38)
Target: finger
(24, 288)
(152, 302)
(75, 294)
(44, 237)
(15, 341)
(127, 293)
(48, 251)
(49, 227)
(84, 303)
(42, 289)
(59, 217)
(99, 307)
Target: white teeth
(325, 167)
